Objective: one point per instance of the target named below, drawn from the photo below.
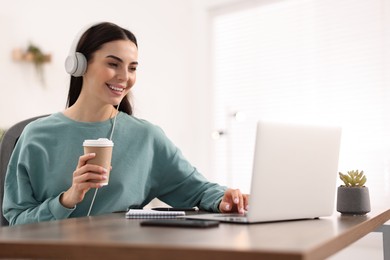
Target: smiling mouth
(117, 89)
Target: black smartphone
(180, 223)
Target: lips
(115, 88)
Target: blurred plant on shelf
(38, 58)
(35, 55)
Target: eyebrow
(120, 60)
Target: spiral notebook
(149, 213)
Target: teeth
(115, 88)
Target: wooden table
(114, 237)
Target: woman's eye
(113, 64)
(133, 69)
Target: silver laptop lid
(294, 171)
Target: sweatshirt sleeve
(181, 185)
(20, 205)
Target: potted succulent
(353, 197)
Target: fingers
(85, 177)
(238, 201)
(234, 201)
(90, 173)
(246, 202)
(84, 158)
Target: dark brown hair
(91, 41)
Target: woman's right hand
(85, 177)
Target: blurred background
(209, 69)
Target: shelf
(21, 55)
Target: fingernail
(236, 200)
(105, 177)
(227, 207)
(92, 154)
(104, 170)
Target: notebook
(294, 174)
(149, 213)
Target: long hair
(91, 41)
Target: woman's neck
(84, 113)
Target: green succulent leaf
(353, 178)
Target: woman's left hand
(234, 201)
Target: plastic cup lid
(101, 142)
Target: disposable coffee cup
(102, 147)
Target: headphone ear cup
(76, 64)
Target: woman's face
(111, 72)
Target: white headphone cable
(112, 131)
(113, 124)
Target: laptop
(294, 174)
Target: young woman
(48, 176)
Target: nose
(123, 74)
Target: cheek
(131, 80)
(99, 74)
(106, 73)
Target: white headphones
(76, 62)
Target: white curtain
(323, 61)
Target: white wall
(164, 50)
(173, 84)
(164, 90)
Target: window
(321, 61)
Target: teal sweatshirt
(145, 165)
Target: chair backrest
(7, 145)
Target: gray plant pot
(353, 200)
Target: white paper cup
(102, 147)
